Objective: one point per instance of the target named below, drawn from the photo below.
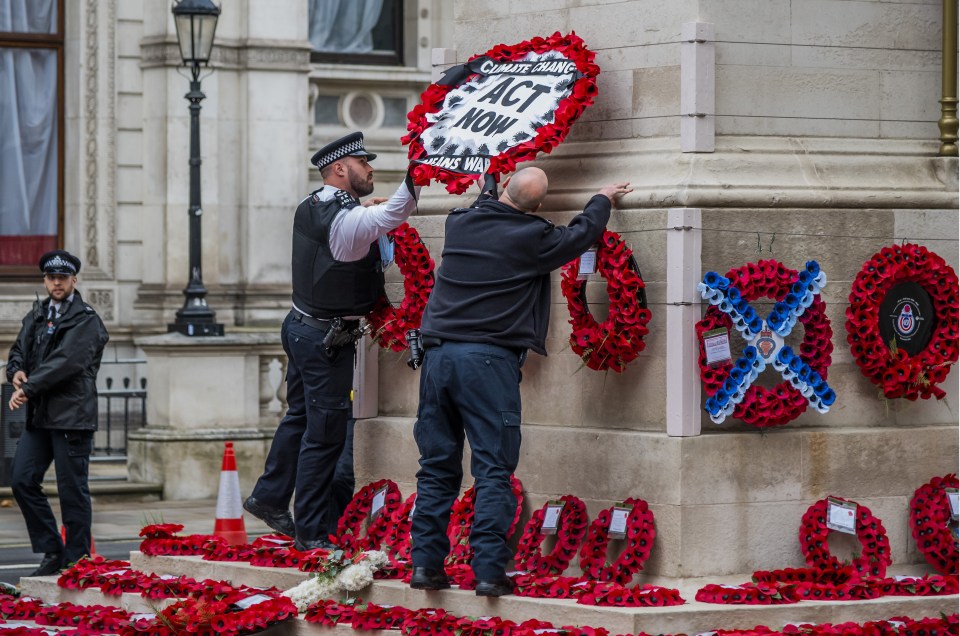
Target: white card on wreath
(551, 518)
(842, 516)
(379, 499)
(250, 601)
(952, 499)
(618, 522)
(716, 346)
(588, 264)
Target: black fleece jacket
(493, 284)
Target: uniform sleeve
(561, 244)
(353, 230)
(79, 349)
(15, 358)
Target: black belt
(429, 342)
(322, 323)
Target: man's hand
(373, 201)
(18, 399)
(19, 378)
(615, 190)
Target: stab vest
(323, 286)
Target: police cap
(59, 262)
(349, 146)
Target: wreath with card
(762, 407)
(930, 518)
(350, 525)
(389, 324)
(875, 554)
(618, 340)
(571, 526)
(902, 322)
(500, 108)
(639, 535)
(461, 522)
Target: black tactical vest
(323, 286)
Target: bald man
(489, 306)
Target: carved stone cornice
(261, 55)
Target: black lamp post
(196, 22)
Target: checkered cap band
(58, 263)
(338, 153)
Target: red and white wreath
(640, 535)
(571, 528)
(500, 108)
(389, 324)
(618, 340)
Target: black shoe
(428, 579)
(52, 563)
(277, 519)
(495, 587)
(319, 544)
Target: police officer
(53, 368)
(337, 279)
(490, 304)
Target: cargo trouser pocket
(79, 443)
(327, 417)
(510, 438)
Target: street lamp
(196, 22)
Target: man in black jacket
(490, 304)
(53, 368)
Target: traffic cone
(93, 544)
(229, 522)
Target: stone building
(793, 130)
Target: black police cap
(349, 146)
(59, 262)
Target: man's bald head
(526, 189)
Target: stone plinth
(203, 392)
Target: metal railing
(123, 405)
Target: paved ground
(116, 529)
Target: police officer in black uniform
(53, 367)
(337, 279)
(490, 304)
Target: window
(356, 31)
(31, 121)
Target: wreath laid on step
(350, 525)
(640, 534)
(896, 372)
(929, 523)
(571, 528)
(875, 555)
(389, 324)
(618, 340)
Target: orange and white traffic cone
(229, 522)
(93, 544)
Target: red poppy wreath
(571, 528)
(898, 371)
(351, 522)
(762, 407)
(929, 522)
(618, 340)
(875, 556)
(500, 108)
(389, 324)
(640, 535)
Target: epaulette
(345, 199)
(88, 309)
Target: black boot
(52, 563)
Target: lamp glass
(195, 36)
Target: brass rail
(948, 102)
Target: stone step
(692, 617)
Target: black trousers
(69, 451)
(467, 390)
(309, 455)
